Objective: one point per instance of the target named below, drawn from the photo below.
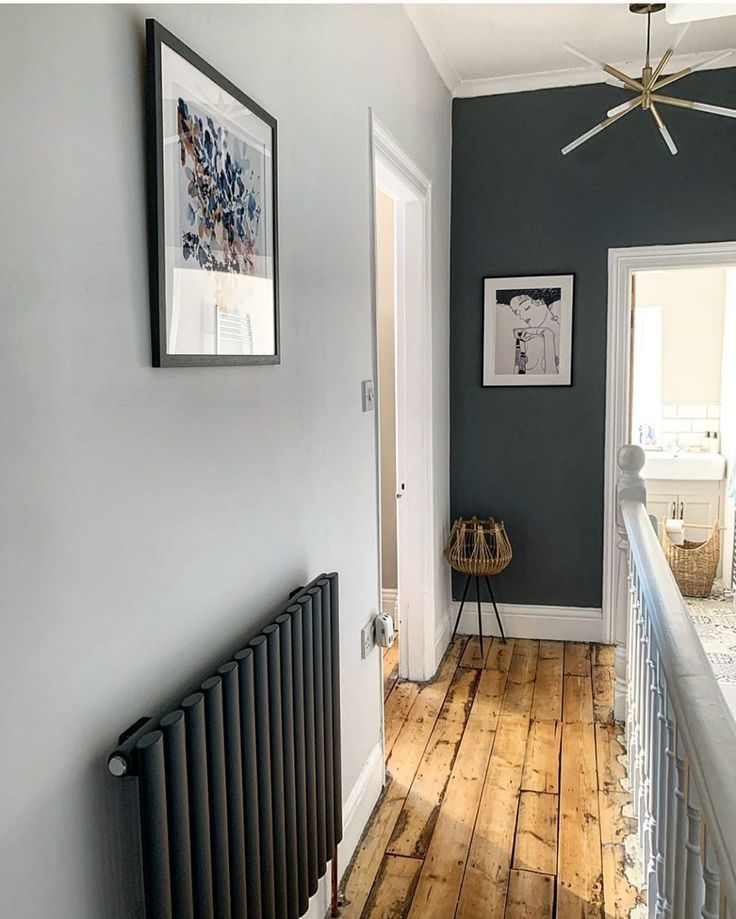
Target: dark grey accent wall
(534, 457)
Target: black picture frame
(157, 37)
(564, 348)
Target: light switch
(369, 395)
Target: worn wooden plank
(615, 825)
(442, 872)
(500, 654)
(604, 656)
(401, 767)
(542, 762)
(369, 854)
(609, 749)
(604, 679)
(473, 656)
(396, 710)
(416, 823)
(486, 878)
(578, 699)
(524, 661)
(536, 833)
(547, 702)
(552, 650)
(390, 668)
(517, 700)
(619, 896)
(577, 658)
(580, 869)
(531, 896)
(393, 889)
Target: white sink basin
(688, 466)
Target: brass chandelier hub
(647, 89)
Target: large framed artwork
(527, 330)
(213, 214)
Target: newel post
(629, 486)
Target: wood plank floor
(504, 797)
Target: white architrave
(622, 264)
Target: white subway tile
(676, 425)
(690, 440)
(714, 410)
(706, 424)
(692, 411)
(669, 410)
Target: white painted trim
(572, 76)
(622, 264)
(421, 18)
(389, 601)
(554, 623)
(394, 170)
(357, 810)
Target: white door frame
(622, 264)
(396, 174)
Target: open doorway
(671, 388)
(402, 335)
(386, 211)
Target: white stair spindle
(694, 886)
(671, 808)
(711, 908)
(678, 897)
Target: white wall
(151, 517)
(692, 330)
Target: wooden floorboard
(504, 797)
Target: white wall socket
(367, 638)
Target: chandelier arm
(620, 108)
(696, 106)
(679, 35)
(661, 65)
(666, 136)
(606, 68)
(673, 77)
(625, 78)
(601, 126)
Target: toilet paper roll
(675, 530)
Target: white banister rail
(681, 734)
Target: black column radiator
(239, 781)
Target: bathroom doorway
(681, 375)
(644, 404)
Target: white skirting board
(389, 602)
(556, 623)
(357, 809)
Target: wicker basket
(479, 547)
(694, 564)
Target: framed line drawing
(213, 235)
(527, 330)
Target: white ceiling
(486, 48)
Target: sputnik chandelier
(648, 88)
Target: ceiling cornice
(574, 76)
(426, 27)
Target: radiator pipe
(300, 769)
(291, 879)
(251, 805)
(177, 806)
(199, 808)
(219, 837)
(154, 832)
(234, 779)
(260, 668)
